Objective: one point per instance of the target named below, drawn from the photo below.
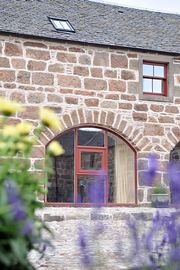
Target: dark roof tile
(94, 23)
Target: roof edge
(88, 43)
(133, 7)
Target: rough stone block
(71, 100)
(18, 63)
(96, 72)
(117, 85)
(85, 59)
(12, 49)
(36, 65)
(66, 57)
(92, 102)
(23, 77)
(69, 81)
(101, 59)
(127, 75)
(119, 61)
(140, 116)
(125, 106)
(109, 104)
(153, 130)
(41, 78)
(95, 84)
(50, 218)
(133, 88)
(81, 71)
(7, 75)
(4, 62)
(37, 54)
(141, 107)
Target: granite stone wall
(109, 240)
(96, 86)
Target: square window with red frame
(155, 78)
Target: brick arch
(105, 119)
(169, 140)
(173, 136)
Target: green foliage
(20, 229)
(159, 190)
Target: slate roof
(94, 23)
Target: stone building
(112, 75)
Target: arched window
(90, 151)
(174, 179)
(175, 153)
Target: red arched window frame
(80, 172)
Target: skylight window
(62, 25)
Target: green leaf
(19, 249)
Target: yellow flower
(49, 119)
(7, 108)
(10, 131)
(24, 128)
(29, 140)
(20, 146)
(55, 148)
(3, 145)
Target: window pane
(65, 25)
(61, 183)
(159, 71)
(90, 136)
(147, 85)
(91, 161)
(157, 86)
(89, 190)
(121, 170)
(147, 70)
(58, 24)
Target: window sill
(155, 98)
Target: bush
(20, 229)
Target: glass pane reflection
(147, 85)
(159, 71)
(61, 182)
(157, 86)
(88, 190)
(91, 161)
(147, 70)
(90, 137)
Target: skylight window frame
(71, 30)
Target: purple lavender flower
(11, 191)
(156, 224)
(152, 169)
(97, 190)
(13, 197)
(174, 182)
(27, 229)
(134, 231)
(18, 211)
(85, 256)
(99, 228)
(172, 231)
(175, 255)
(82, 239)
